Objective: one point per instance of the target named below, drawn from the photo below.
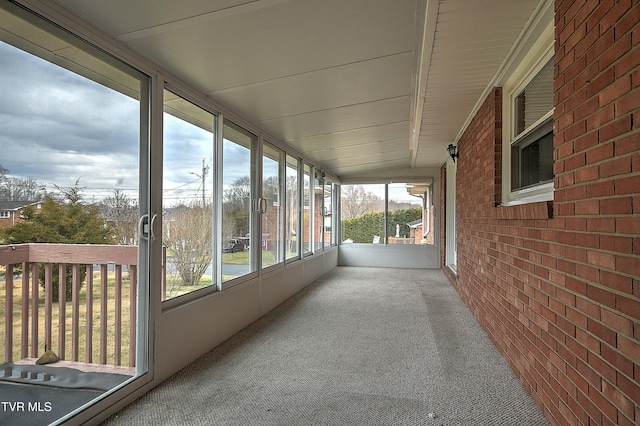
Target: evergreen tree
(70, 222)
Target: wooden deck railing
(97, 325)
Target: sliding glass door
(272, 207)
(240, 205)
(73, 262)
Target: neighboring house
(415, 230)
(11, 211)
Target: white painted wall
(389, 256)
(187, 332)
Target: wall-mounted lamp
(453, 152)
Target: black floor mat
(39, 395)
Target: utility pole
(203, 177)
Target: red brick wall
(556, 285)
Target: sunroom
(234, 152)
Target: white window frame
(451, 252)
(534, 49)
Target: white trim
(451, 252)
(429, 9)
(531, 128)
(533, 51)
(543, 192)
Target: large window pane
(318, 212)
(409, 218)
(306, 206)
(238, 174)
(532, 144)
(271, 208)
(363, 213)
(398, 213)
(73, 124)
(328, 212)
(334, 214)
(535, 101)
(293, 207)
(187, 196)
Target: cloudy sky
(57, 127)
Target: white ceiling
(360, 86)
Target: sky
(57, 127)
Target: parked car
(232, 246)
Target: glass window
(408, 218)
(73, 132)
(397, 213)
(335, 197)
(293, 207)
(306, 211)
(187, 196)
(535, 100)
(272, 205)
(238, 175)
(318, 211)
(532, 146)
(362, 215)
(531, 155)
(327, 212)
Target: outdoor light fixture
(453, 152)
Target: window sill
(454, 271)
(523, 211)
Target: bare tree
(20, 189)
(356, 201)
(236, 208)
(187, 234)
(121, 212)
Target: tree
(187, 234)
(362, 229)
(62, 223)
(121, 212)
(19, 189)
(356, 201)
(236, 208)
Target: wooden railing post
(48, 306)
(103, 314)
(8, 319)
(89, 315)
(35, 272)
(62, 309)
(75, 309)
(117, 353)
(133, 318)
(24, 346)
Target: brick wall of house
(557, 285)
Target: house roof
(16, 205)
(415, 223)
